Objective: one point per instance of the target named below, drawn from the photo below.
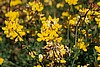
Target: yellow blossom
(72, 21)
(65, 14)
(59, 39)
(62, 61)
(40, 57)
(49, 30)
(71, 2)
(98, 3)
(15, 2)
(82, 45)
(83, 31)
(78, 7)
(60, 5)
(32, 54)
(98, 58)
(36, 6)
(38, 66)
(12, 15)
(97, 48)
(13, 30)
(1, 60)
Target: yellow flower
(97, 48)
(36, 6)
(49, 30)
(78, 65)
(84, 31)
(98, 3)
(12, 15)
(65, 14)
(15, 2)
(32, 54)
(82, 45)
(78, 7)
(60, 5)
(1, 60)
(40, 57)
(71, 2)
(62, 61)
(13, 29)
(38, 66)
(98, 58)
(72, 22)
(59, 39)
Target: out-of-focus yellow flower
(15, 2)
(78, 7)
(98, 21)
(83, 10)
(36, 6)
(62, 61)
(98, 3)
(78, 66)
(65, 14)
(46, 1)
(71, 2)
(72, 22)
(83, 65)
(83, 31)
(60, 5)
(49, 2)
(38, 66)
(1, 60)
(98, 58)
(32, 54)
(40, 57)
(97, 48)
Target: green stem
(68, 33)
(75, 57)
(95, 58)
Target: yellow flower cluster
(13, 29)
(57, 50)
(81, 45)
(72, 20)
(50, 33)
(89, 14)
(97, 19)
(71, 2)
(36, 6)
(97, 48)
(15, 2)
(49, 30)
